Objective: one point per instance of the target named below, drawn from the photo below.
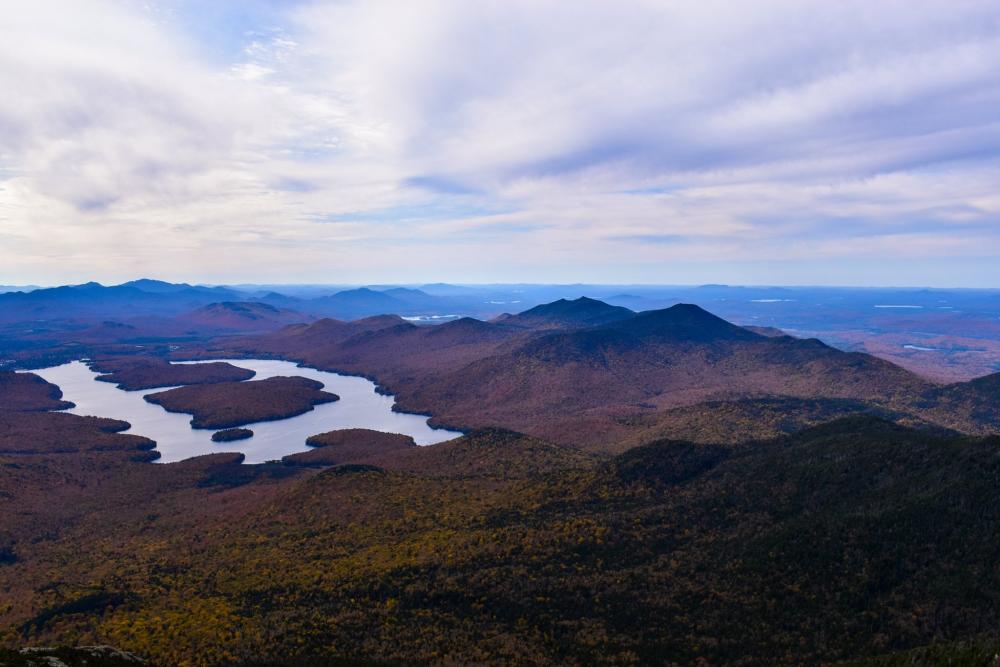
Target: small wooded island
(226, 405)
(134, 373)
(231, 434)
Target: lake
(359, 407)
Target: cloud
(327, 140)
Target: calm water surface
(359, 407)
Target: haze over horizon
(377, 285)
(786, 143)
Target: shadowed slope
(850, 539)
(683, 322)
(971, 406)
(569, 313)
(490, 452)
(750, 419)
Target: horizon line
(359, 285)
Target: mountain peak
(243, 314)
(155, 286)
(248, 308)
(405, 291)
(684, 321)
(581, 312)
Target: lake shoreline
(362, 405)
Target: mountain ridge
(580, 312)
(589, 384)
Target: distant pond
(359, 407)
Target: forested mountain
(850, 539)
(593, 385)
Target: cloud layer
(801, 142)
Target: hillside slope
(246, 316)
(569, 314)
(654, 361)
(848, 540)
(550, 375)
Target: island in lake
(231, 434)
(229, 404)
(134, 373)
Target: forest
(851, 539)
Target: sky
(767, 142)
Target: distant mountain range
(243, 316)
(946, 335)
(93, 300)
(156, 298)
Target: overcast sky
(785, 142)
